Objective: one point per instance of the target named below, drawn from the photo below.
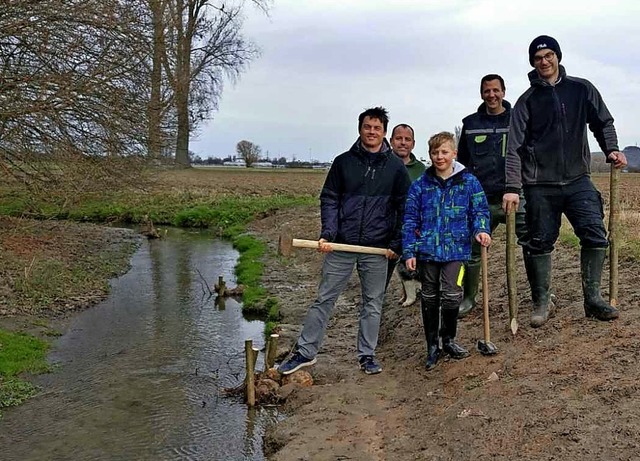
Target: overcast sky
(325, 61)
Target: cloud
(323, 62)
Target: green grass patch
(19, 353)
(226, 214)
(272, 306)
(249, 270)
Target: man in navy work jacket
(361, 203)
(482, 149)
(549, 158)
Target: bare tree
(70, 80)
(457, 131)
(202, 46)
(248, 151)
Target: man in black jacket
(482, 149)
(361, 203)
(549, 158)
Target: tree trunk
(154, 111)
(182, 135)
(183, 80)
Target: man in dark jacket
(549, 158)
(482, 149)
(361, 203)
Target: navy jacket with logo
(483, 148)
(362, 200)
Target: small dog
(410, 284)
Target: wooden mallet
(286, 243)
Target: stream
(140, 376)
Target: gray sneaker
(370, 365)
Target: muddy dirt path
(569, 390)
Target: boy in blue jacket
(446, 208)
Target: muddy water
(139, 376)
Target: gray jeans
(336, 271)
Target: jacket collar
(482, 109)
(535, 79)
(357, 149)
(456, 176)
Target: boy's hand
(391, 254)
(483, 239)
(411, 264)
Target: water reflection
(140, 374)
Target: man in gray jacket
(549, 158)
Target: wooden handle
(485, 293)
(300, 243)
(511, 271)
(614, 244)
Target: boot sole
(602, 318)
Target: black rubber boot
(449, 329)
(539, 275)
(430, 307)
(470, 286)
(591, 262)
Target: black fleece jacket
(548, 136)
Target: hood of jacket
(431, 175)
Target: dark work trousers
(580, 202)
(441, 288)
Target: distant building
(262, 165)
(236, 163)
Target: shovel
(486, 347)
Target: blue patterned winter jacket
(442, 217)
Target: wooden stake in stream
(221, 286)
(512, 288)
(251, 356)
(271, 351)
(613, 235)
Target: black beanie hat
(542, 42)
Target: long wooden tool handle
(512, 288)
(300, 243)
(485, 293)
(613, 236)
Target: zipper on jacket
(366, 197)
(562, 115)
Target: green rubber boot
(591, 262)
(539, 275)
(470, 287)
